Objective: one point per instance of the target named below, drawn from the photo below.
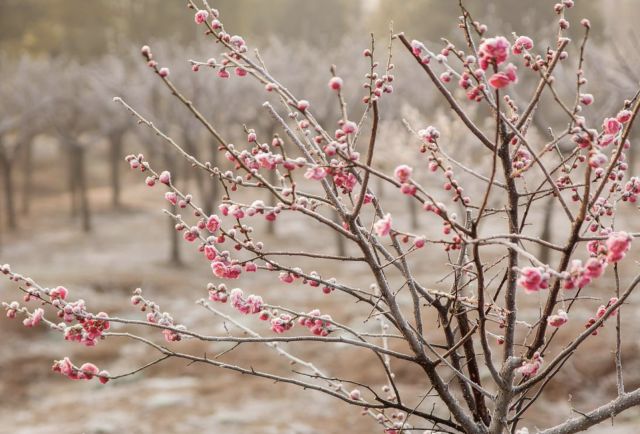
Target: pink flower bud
(172, 197)
(383, 226)
(349, 127)
(303, 105)
(403, 173)
(201, 16)
(335, 83)
(163, 72)
(165, 177)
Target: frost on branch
(457, 293)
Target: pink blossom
(493, 50)
(281, 323)
(383, 226)
(350, 127)
(499, 80)
(172, 197)
(612, 126)
(192, 234)
(594, 268)
(201, 16)
(618, 245)
(559, 319)
(35, 318)
(522, 43)
(213, 223)
(165, 177)
(586, 98)
(303, 105)
(402, 173)
(163, 72)
(533, 279)
(624, 116)
(597, 159)
(88, 370)
(503, 79)
(429, 134)
(408, 189)
(316, 173)
(59, 293)
(335, 83)
(531, 367)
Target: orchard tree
(487, 326)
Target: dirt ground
(128, 249)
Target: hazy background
(71, 212)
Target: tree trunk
(115, 157)
(413, 212)
(82, 188)
(27, 178)
(71, 179)
(545, 252)
(7, 182)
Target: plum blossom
(201, 16)
(559, 319)
(533, 279)
(35, 318)
(402, 173)
(383, 226)
(247, 305)
(521, 44)
(618, 245)
(317, 173)
(531, 367)
(493, 51)
(172, 197)
(505, 78)
(429, 134)
(335, 83)
(213, 223)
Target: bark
(602, 413)
(27, 180)
(82, 188)
(9, 193)
(545, 251)
(115, 163)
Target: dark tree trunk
(545, 252)
(7, 182)
(27, 177)
(115, 159)
(413, 212)
(340, 244)
(82, 187)
(71, 179)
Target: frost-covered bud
(335, 83)
(165, 177)
(201, 16)
(303, 105)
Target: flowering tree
(475, 336)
